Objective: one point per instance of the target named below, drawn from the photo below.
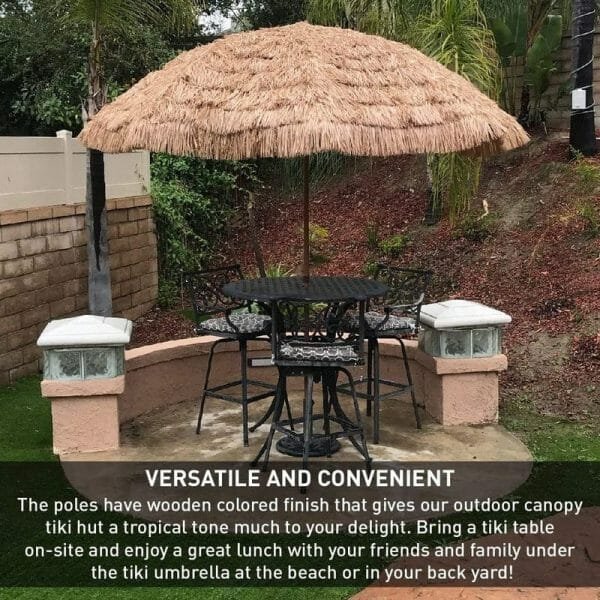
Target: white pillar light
(85, 347)
(461, 329)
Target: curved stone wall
(86, 415)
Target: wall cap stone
(41, 213)
(83, 387)
(145, 356)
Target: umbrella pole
(306, 264)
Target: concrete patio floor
(168, 434)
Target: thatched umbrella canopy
(300, 89)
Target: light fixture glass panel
(456, 343)
(429, 341)
(99, 363)
(483, 342)
(63, 364)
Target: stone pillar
(459, 391)
(84, 375)
(85, 414)
(454, 391)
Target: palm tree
(583, 130)
(455, 33)
(103, 18)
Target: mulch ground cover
(538, 264)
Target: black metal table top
(318, 289)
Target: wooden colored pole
(306, 264)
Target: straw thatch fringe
(295, 90)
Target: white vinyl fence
(45, 171)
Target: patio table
(345, 290)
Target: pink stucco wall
(86, 414)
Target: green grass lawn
(25, 435)
(551, 438)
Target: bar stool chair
(231, 321)
(395, 317)
(314, 349)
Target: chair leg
(308, 421)
(369, 375)
(287, 403)
(362, 447)
(411, 386)
(376, 392)
(266, 447)
(244, 372)
(206, 379)
(328, 384)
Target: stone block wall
(43, 272)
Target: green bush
(318, 237)
(193, 200)
(370, 268)
(476, 229)
(372, 235)
(394, 245)
(589, 214)
(278, 270)
(168, 294)
(587, 172)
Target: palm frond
(124, 15)
(388, 18)
(455, 33)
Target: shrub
(394, 245)
(587, 172)
(193, 200)
(318, 237)
(370, 268)
(476, 229)
(278, 270)
(590, 216)
(372, 235)
(168, 294)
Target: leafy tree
(43, 68)
(256, 14)
(193, 200)
(104, 19)
(531, 31)
(455, 33)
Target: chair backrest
(206, 290)
(407, 289)
(306, 323)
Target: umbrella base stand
(320, 445)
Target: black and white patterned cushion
(305, 353)
(373, 321)
(247, 323)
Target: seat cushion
(315, 353)
(373, 321)
(247, 324)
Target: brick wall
(43, 272)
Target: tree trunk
(433, 212)
(523, 117)
(583, 127)
(99, 285)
